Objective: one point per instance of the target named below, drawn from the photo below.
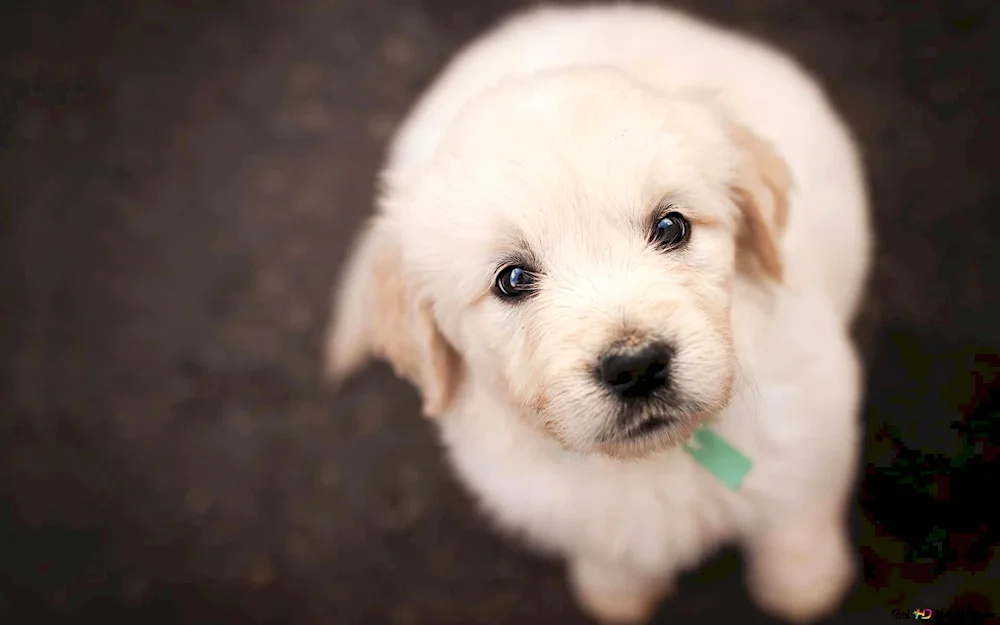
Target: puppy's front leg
(614, 594)
(801, 568)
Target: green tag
(722, 459)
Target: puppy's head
(572, 246)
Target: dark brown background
(179, 181)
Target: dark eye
(671, 231)
(514, 281)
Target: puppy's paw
(612, 596)
(801, 581)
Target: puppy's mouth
(648, 427)
(652, 431)
(642, 439)
(661, 418)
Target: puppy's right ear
(377, 312)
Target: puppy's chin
(639, 445)
(627, 444)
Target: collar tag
(720, 458)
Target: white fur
(565, 125)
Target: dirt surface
(178, 185)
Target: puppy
(604, 227)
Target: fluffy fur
(554, 141)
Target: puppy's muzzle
(635, 370)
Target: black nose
(636, 371)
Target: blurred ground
(178, 183)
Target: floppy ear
(377, 313)
(761, 192)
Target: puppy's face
(573, 244)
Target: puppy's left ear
(761, 193)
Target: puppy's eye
(671, 231)
(514, 281)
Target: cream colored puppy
(599, 229)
